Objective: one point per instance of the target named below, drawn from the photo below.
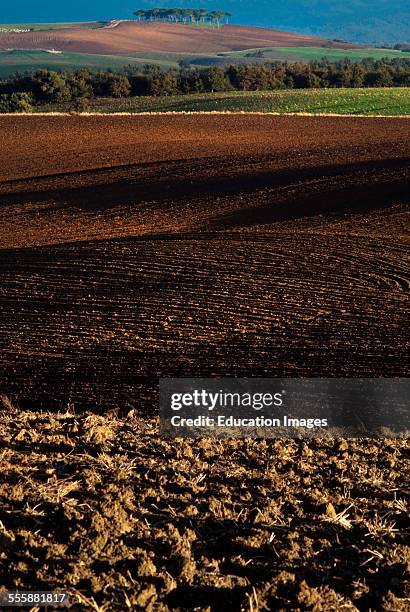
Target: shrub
(164, 85)
(111, 85)
(80, 84)
(16, 103)
(51, 87)
(215, 79)
(80, 105)
(119, 86)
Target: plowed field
(196, 245)
(146, 246)
(132, 37)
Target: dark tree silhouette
(20, 91)
(179, 15)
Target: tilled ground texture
(199, 245)
(104, 508)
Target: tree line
(21, 92)
(180, 15)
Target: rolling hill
(131, 37)
(361, 21)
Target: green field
(315, 53)
(376, 101)
(28, 61)
(31, 60)
(52, 26)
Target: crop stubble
(105, 508)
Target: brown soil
(132, 37)
(139, 247)
(102, 507)
(200, 245)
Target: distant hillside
(363, 21)
(132, 37)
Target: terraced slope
(199, 245)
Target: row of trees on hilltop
(75, 89)
(180, 15)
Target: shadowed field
(199, 245)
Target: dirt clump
(146, 523)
